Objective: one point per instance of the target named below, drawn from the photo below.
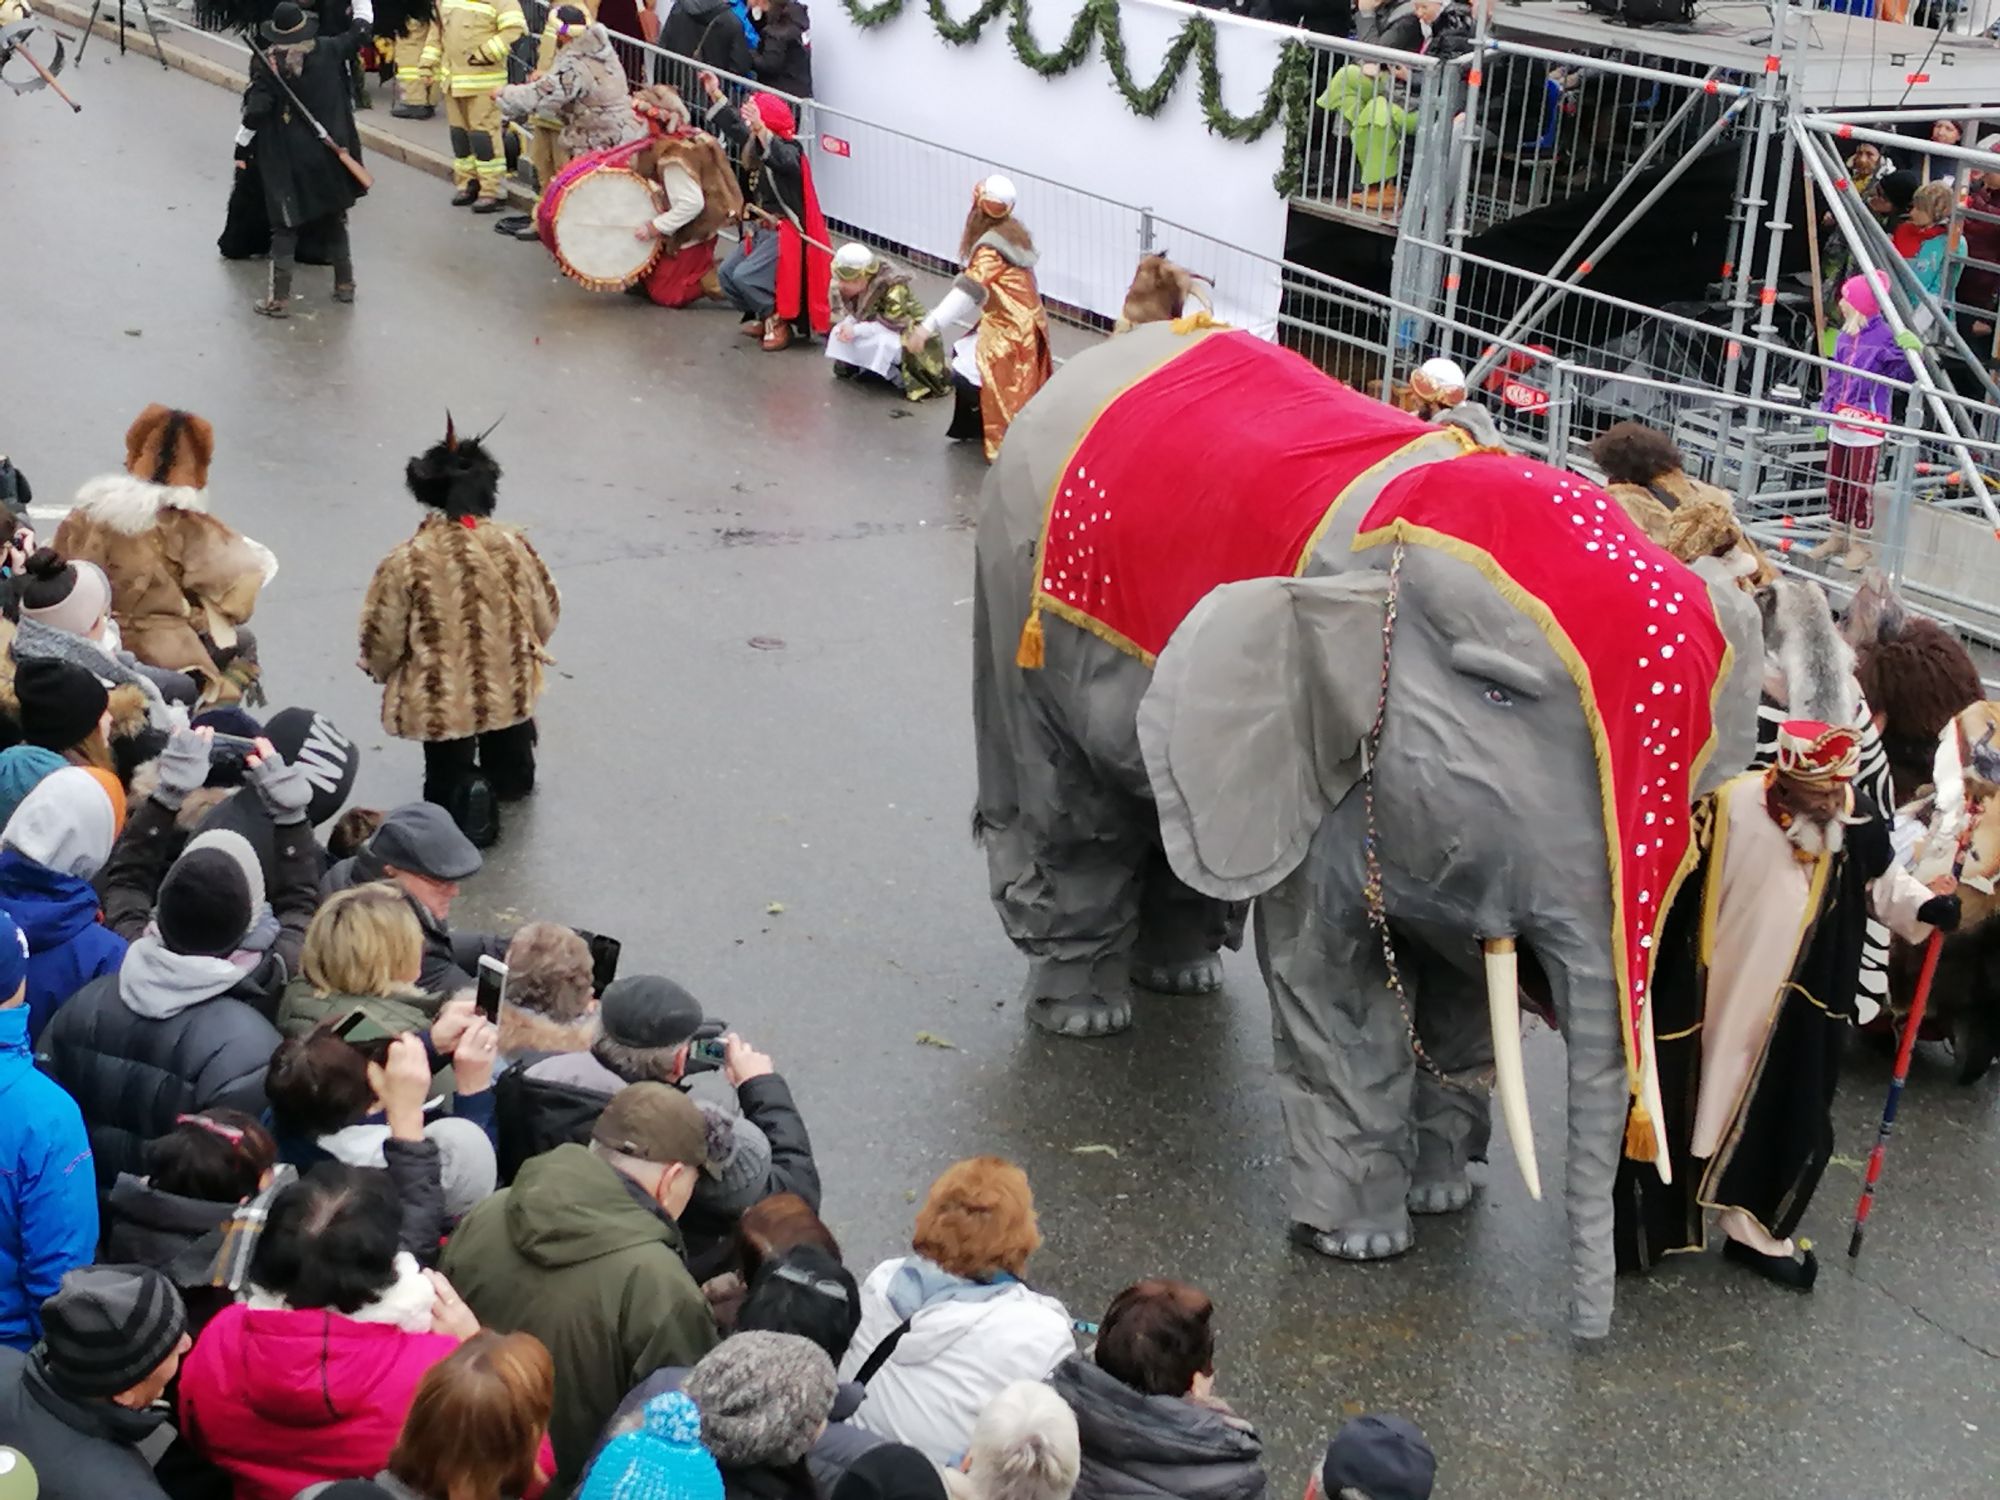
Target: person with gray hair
(1024, 1447)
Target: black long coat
(303, 180)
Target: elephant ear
(1736, 701)
(1255, 723)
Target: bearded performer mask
(1809, 791)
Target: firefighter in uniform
(418, 51)
(476, 36)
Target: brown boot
(777, 333)
(1384, 199)
(753, 328)
(1837, 540)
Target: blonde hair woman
(363, 952)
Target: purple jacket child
(1869, 353)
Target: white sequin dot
(1659, 687)
(1666, 653)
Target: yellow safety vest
(476, 39)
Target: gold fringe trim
(1639, 1142)
(1028, 655)
(1197, 322)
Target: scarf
(35, 641)
(1909, 239)
(404, 1303)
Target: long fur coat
(455, 628)
(180, 578)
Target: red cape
(802, 263)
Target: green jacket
(1375, 126)
(302, 1007)
(574, 1255)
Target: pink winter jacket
(285, 1399)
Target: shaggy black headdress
(457, 476)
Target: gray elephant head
(1506, 747)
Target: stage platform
(1850, 62)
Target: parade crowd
(306, 1189)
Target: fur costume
(701, 156)
(458, 617)
(585, 89)
(1692, 520)
(181, 580)
(1805, 654)
(1160, 293)
(1916, 674)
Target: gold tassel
(1028, 655)
(1639, 1132)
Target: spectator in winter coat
(779, 1224)
(783, 56)
(476, 1427)
(890, 1471)
(550, 1090)
(1382, 1457)
(22, 769)
(764, 1399)
(1146, 1411)
(364, 951)
(661, 1456)
(66, 615)
(350, 1098)
(1433, 28)
(420, 850)
(310, 1376)
(181, 1027)
(583, 1252)
(196, 1175)
(64, 708)
(962, 1321)
(83, 1402)
(51, 849)
(1024, 1447)
(804, 1292)
(48, 1196)
(709, 32)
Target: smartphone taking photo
(492, 987)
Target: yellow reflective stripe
(477, 83)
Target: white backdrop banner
(905, 124)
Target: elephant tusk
(1503, 1004)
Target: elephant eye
(1498, 696)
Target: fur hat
(457, 476)
(763, 1398)
(172, 447)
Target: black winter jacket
(303, 180)
(766, 1103)
(709, 32)
(144, 1226)
(81, 1450)
(451, 959)
(784, 49)
(777, 185)
(1140, 1447)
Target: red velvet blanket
(1635, 630)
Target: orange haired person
(946, 1328)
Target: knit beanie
(114, 789)
(66, 824)
(660, 1460)
(70, 596)
(1862, 293)
(763, 1398)
(22, 769)
(739, 1162)
(891, 1471)
(108, 1327)
(204, 906)
(60, 703)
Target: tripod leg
(88, 28)
(153, 31)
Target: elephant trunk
(1503, 1005)
(1599, 1097)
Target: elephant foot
(1079, 997)
(1446, 1196)
(1798, 1274)
(1353, 1244)
(1191, 976)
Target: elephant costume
(1243, 633)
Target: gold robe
(1013, 346)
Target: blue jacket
(48, 1188)
(67, 946)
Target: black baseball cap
(1385, 1457)
(646, 1010)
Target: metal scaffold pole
(1770, 119)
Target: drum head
(596, 220)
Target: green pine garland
(1287, 97)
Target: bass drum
(591, 216)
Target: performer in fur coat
(1754, 988)
(455, 628)
(695, 177)
(183, 584)
(584, 90)
(873, 307)
(996, 295)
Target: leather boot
(777, 333)
(274, 303)
(1836, 542)
(1858, 554)
(466, 196)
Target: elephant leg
(1344, 1075)
(1074, 908)
(1453, 1115)
(1181, 934)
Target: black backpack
(534, 1115)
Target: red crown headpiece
(1817, 753)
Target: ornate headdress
(996, 195)
(457, 476)
(1817, 754)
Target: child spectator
(945, 1328)
(1920, 238)
(50, 851)
(873, 307)
(1362, 95)
(1024, 1447)
(48, 1197)
(196, 1175)
(310, 1376)
(1857, 405)
(1147, 1416)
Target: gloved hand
(183, 764)
(1941, 912)
(281, 787)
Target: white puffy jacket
(956, 1357)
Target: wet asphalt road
(757, 772)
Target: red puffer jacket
(282, 1399)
